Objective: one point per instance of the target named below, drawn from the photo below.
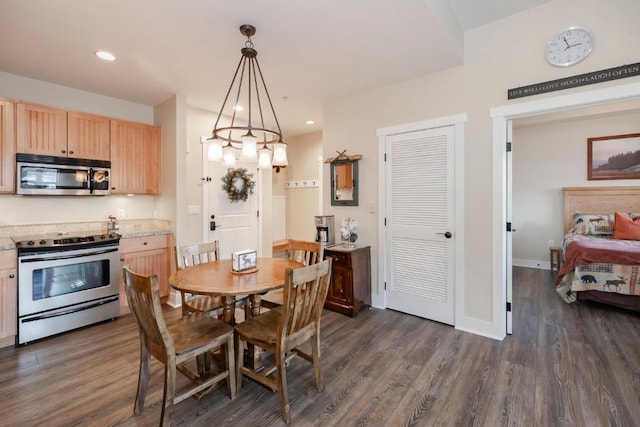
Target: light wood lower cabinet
(8, 297)
(146, 255)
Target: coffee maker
(325, 229)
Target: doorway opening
(501, 117)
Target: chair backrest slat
(305, 291)
(306, 253)
(143, 295)
(197, 254)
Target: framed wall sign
(614, 157)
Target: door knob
(447, 234)
(212, 225)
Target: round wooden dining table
(217, 279)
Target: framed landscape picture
(614, 157)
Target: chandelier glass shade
(254, 131)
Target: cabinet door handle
(145, 243)
(11, 276)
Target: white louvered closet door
(420, 212)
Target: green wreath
(238, 184)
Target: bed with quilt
(601, 249)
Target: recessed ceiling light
(107, 56)
(238, 108)
(310, 122)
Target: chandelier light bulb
(280, 154)
(264, 158)
(249, 150)
(214, 152)
(229, 155)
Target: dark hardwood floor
(574, 365)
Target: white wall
(303, 203)
(499, 56)
(32, 210)
(546, 157)
(39, 92)
(171, 117)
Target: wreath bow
(238, 185)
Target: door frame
(379, 295)
(500, 116)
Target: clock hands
(569, 46)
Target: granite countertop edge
(7, 244)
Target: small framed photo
(614, 157)
(244, 260)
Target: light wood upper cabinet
(54, 132)
(135, 158)
(88, 136)
(7, 146)
(41, 130)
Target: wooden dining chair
(175, 344)
(283, 330)
(306, 253)
(189, 255)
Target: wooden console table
(350, 287)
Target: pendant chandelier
(254, 130)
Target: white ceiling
(310, 51)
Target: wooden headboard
(598, 200)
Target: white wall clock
(569, 46)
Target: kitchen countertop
(128, 229)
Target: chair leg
(247, 309)
(315, 354)
(282, 386)
(231, 367)
(169, 393)
(143, 378)
(239, 363)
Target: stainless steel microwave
(38, 175)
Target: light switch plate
(193, 209)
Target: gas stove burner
(62, 240)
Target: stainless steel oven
(66, 282)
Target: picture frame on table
(244, 260)
(613, 157)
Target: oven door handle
(71, 310)
(59, 257)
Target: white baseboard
(174, 299)
(531, 263)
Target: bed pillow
(592, 224)
(626, 228)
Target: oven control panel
(62, 242)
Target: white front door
(419, 234)
(236, 223)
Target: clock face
(569, 47)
